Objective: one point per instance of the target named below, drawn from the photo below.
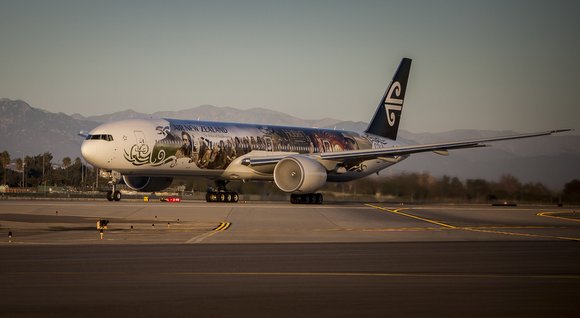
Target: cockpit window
(100, 137)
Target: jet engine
(299, 174)
(147, 184)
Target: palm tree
(5, 161)
(66, 162)
(20, 166)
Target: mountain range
(553, 160)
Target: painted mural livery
(205, 146)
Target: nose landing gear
(114, 195)
(114, 177)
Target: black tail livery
(385, 122)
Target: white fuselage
(170, 147)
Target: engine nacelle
(147, 184)
(299, 174)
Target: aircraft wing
(438, 147)
(367, 154)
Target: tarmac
(276, 259)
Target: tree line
(425, 187)
(39, 170)
(420, 187)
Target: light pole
(82, 176)
(23, 175)
(43, 180)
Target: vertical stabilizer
(385, 122)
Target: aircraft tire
(110, 195)
(295, 198)
(117, 195)
(210, 197)
(319, 198)
(308, 198)
(227, 197)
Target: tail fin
(385, 123)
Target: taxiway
(277, 259)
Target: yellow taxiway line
(362, 274)
(220, 228)
(485, 229)
(320, 274)
(552, 215)
(398, 211)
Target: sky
(497, 65)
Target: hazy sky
(476, 64)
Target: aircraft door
(139, 137)
(141, 145)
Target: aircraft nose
(89, 151)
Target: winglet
(560, 130)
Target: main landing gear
(221, 193)
(307, 198)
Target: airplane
(146, 154)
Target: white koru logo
(392, 103)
